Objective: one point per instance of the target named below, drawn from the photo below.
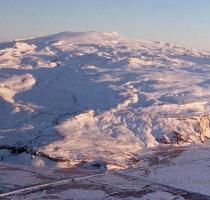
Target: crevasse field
(101, 102)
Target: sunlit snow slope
(73, 97)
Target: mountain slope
(75, 97)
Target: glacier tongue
(85, 96)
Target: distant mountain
(87, 96)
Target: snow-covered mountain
(85, 96)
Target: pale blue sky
(184, 22)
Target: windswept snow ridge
(75, 97)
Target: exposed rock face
(204, 127)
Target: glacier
(77, 97)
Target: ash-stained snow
(79, 97)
